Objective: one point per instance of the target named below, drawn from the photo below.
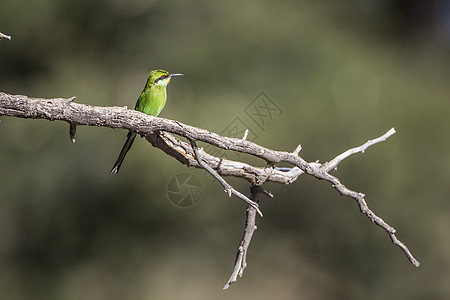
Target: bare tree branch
(240, 262)
(182, 151)
(338, 159)
(228, 188)
(159, 132)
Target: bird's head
(160, 77)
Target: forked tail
(130, 139)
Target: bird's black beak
(173, 75)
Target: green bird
(151, 102)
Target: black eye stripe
(162, 77)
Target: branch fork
(161, 133)
(228, 188)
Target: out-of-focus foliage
(341, 71)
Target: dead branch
(159, 132)
(240, 262)
(228, 188)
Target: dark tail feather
(130, 139)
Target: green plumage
(151, 102)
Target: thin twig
(228, 188)
(297, 150)
(338, 159)
(245, 134)
(363, 207)
(240, 262)
(359, 197)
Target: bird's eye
(163, 76)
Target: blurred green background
(342, 72)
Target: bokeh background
(342, 72)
